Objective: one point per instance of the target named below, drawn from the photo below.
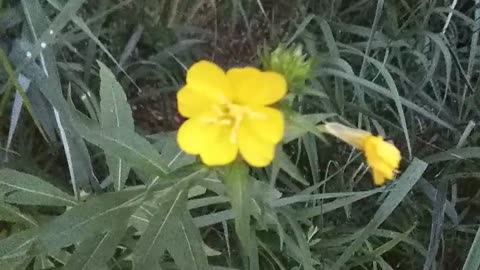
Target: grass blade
(403, 185)
(473, 259)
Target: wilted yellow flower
(229, 114)
(382, 157)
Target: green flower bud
(292, 63)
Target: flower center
(232, 115)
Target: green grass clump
(91, 176)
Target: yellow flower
(229, 114)
(382, 157)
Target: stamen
(218, 110)
(225, 122)
(235, 128)
(209, 120)
(254, 115)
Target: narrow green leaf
(17, 245)
(383, 91)
(115, 110)
(441, 42)
(395, 94)
(21, 188)
(115, 113)
(312, 153)
(94, 252)
(454, 154)
(158, 235)
(84, 27)
(126, 144)
(13, 214)
(42, 262)
(322, 196)
(402, 186)
(45, 33)
(331, 206)
(473, 259)
(437, 224)
(306, 21)
(188, 251)
(305, 255)
(17, 263)
(13, 80)
(173, 156)
(48, 81)
(299, 125)
(238, 185)
(107, 212)
(287, 165)
(401, 237)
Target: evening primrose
(229, 114)
(382, 157)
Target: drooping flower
(382, 157)
(228, 113)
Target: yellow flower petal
(382, 157)
(354, 137)
(253, 87)
(391, 155)
(193, 103)
(378, 165)
(266, 122)
(210, 80)
(221, 150)
(195, 135)
(256, 151)
(378, 178)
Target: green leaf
(107, 212)
(287, 165)
(299, 125)
(160, 232)
(454, 154)
(80, 23)
(403, 185)
(17, 263)
(473, 259)
(336, 204)
(312, 153)
(238, 185)
(188, 251)
(401, 237)
(48, 81)
(48, 33)
(13, 214)
(126, 144)
(115, 113)
(42, 262)
(171, 153)
(13, 79)
(21, 188)
(94, 252)
(18, 245)
(385, 92)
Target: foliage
(84, 187)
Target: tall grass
(83, 187)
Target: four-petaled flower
(228, 114)
(382, 157)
